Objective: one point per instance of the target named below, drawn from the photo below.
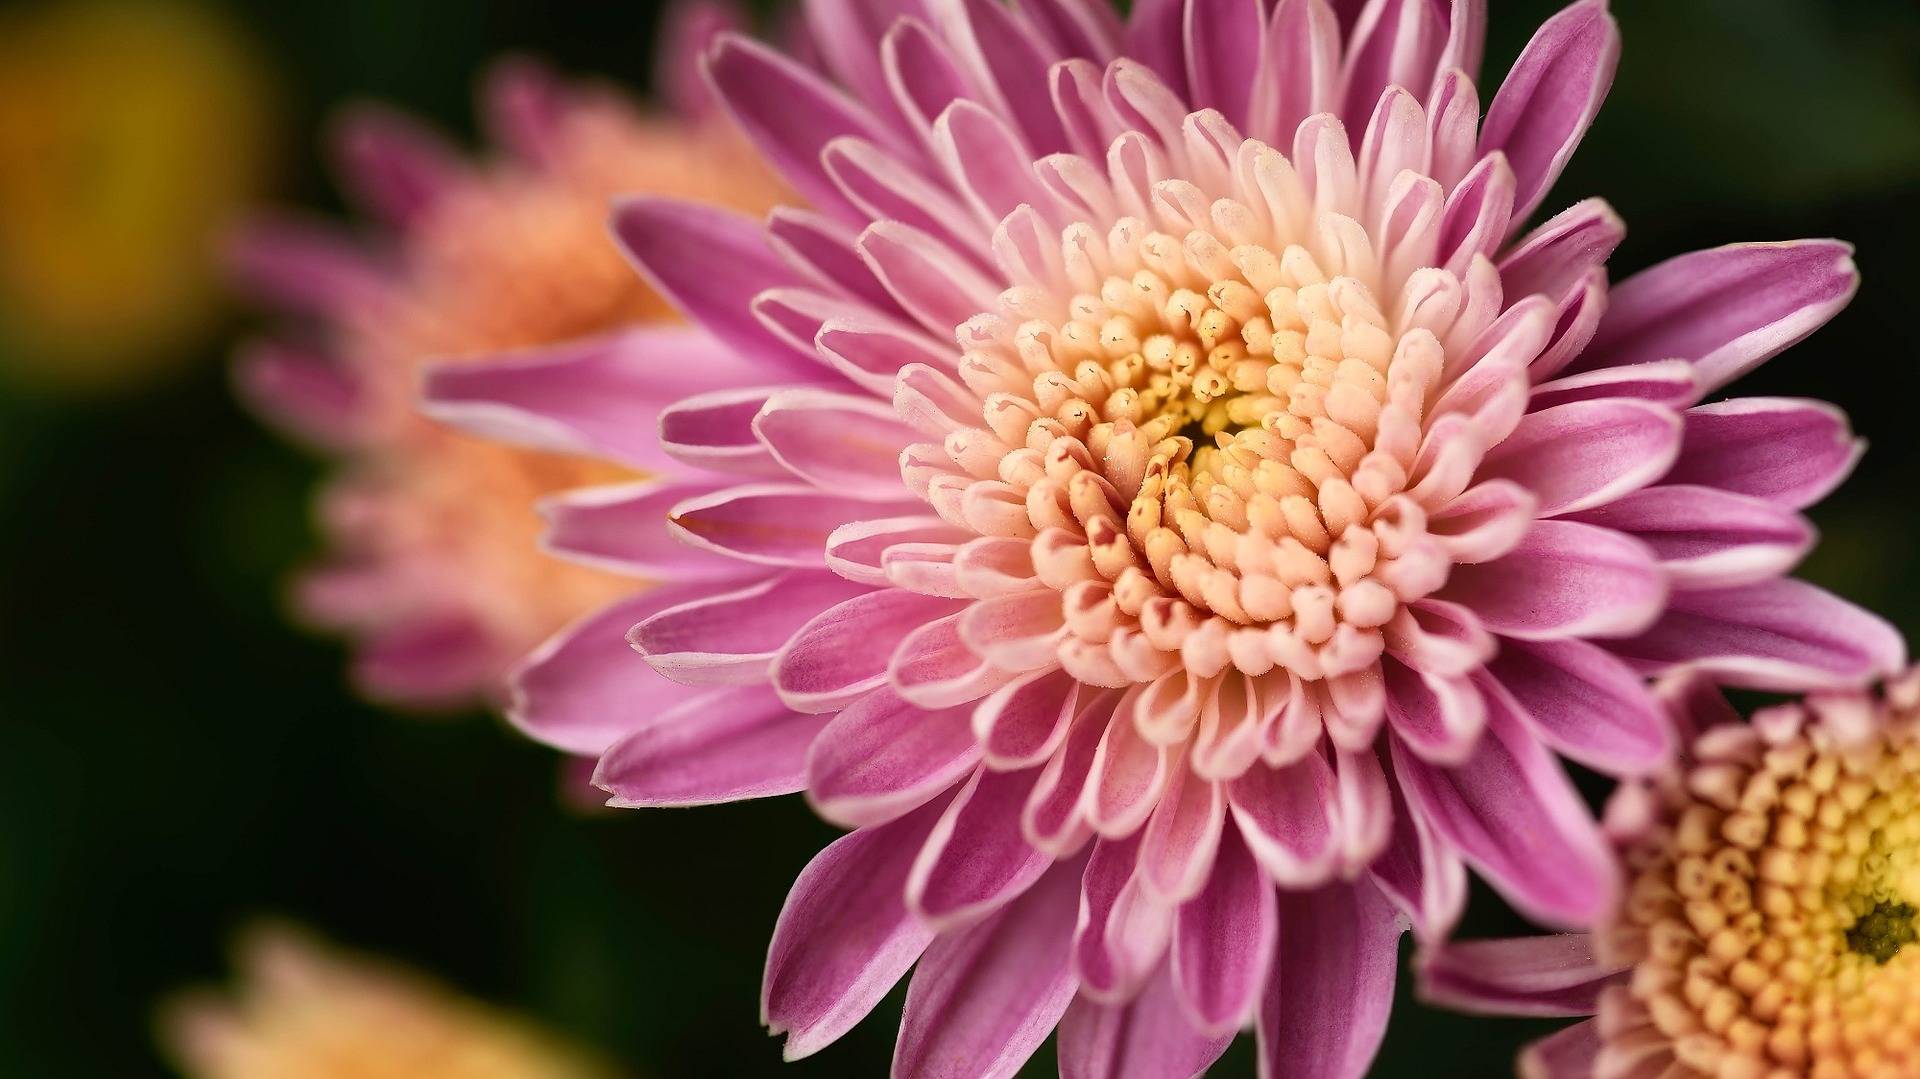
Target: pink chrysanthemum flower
(433, 566)
(1773, 882)
(1162, 499)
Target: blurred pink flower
(1774, 876)
(434, 566)
(1170, 555)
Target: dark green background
(174, 760)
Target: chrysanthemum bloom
(433, 565)
(1765, 929)
(307, 1011)
(1173, 538)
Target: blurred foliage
(174, 760)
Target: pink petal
(1664, 382)
(713, 432)
(856, 550)
(1587, 453)
(725, 745)
(1544, 976)
(1555, 258)
(522, 102)
(433, 662)
(1020, 724)
(1585, 703)
(882, 757)
(623, 528)
(1550, 97)
(838, 442)
(1223, 942)
(307, 395)
(934, 286)
(1395, 43)
(933, 666)
(1439, 717)
(976, 860)
(732, 637)
(1128, 775)
(1122, 932)
(1569, 1054)
(821, 249)
(309, 268)
(842, 653)
(922, 72)
(1420, 873)
(1303, 58)
(1053, 818)
(1728, 309)
(772, 524)
(396, 167)
(1512, 813)
(790, 113)
(1780, 634)
(1155, 33)
(1327, 1001)
(1002, 46)
(1708, 538)
(985, 998)
(871, 353)
(584, 689)
(1224, 39)
(1564, 580)
(1178, 846)
(844, 936)
(711, 262)
(1146, 1038)
(687, 33)
(849, 34)
(1783, 450)
(1287, 817)
(599, 396)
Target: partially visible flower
(129, 134)
(304, 1010)
(1166, 503)
(435, 566)
(1770, 912)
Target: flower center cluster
(1771, 916)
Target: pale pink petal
(584, 688)
(1122, 932)
(1664, 382)
(1780, 634)
(1325, 1008)
(1005, 52)
(1788, 451)
(1439, 717)
(1565, 579)
(1223, 942)
(733, 637)
(429, 662)
(985, 998)
(1728, 309)
(711, 262)
(623, 528)
(838, 442)
(790, 113)
(1224, 45)
(306, 267)
(1146, 1038)
(1303, 58)
(725, 745)
(773, 524)
(845, 935)
(687, 31)
(1513, 815)
(882, 757)
(1556, 258)
(713, 432)
(1544, 976)
(929, 281)
(1394, 43)
(1178, 845)
(857, 550)
(601, 397)
(1550, 97)
(1288, 818)
(935, 668)
(842, 653)
(1587, 453)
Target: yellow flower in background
(129, 134)
(306, 1010)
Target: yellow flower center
(1770, 921)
